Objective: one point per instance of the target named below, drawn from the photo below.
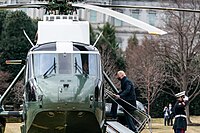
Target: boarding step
(116, 127)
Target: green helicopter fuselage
(63, 89)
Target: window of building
(135, 13)
(152, 17)
(118, 22)
(120, 41)
(93, 16)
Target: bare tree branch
(183, 53)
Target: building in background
(123, 30)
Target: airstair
(140, 118)
(116, 127)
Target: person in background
(180, 123)
(127, 93)
(166, 115)
(85, 68)
(170, 112)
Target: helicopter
(63, 86)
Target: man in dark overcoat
(180, 124)
(127, 94)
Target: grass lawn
(158, 126)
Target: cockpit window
(52, 63)
(65, 63)
(49, 64)
(42, 63)
(86, 64)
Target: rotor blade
(125, 18)
(97, 39)
(28, 38)
(30, 5)
(149, 7)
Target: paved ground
(157, 127)
(12, 128)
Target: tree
(15, 96)
(2, 18)
(181, 49)
(14, 44)
(108, 47)
(4, 79)
(93, 35)
(145, 67)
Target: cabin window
(28, 70)
(30, 92)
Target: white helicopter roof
(63, 28)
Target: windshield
(51, 63)
(85, 64)
(65, 76)
(46, 64)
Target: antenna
(98, 39)
(28, 38)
